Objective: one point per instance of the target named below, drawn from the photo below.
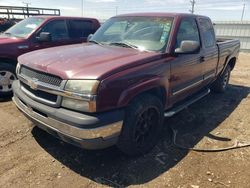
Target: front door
(59, 34)
(187, 69)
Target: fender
(228, 59)
(135, 90)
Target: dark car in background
(36, 33)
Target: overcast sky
(103, 9)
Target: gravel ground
(32, 158)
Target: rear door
(79, 30)
(186, 69)
(210, 50)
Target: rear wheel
(221, 84)
(7, 77)
(142, 125)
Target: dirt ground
(29, 157)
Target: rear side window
(81, 28)
(207, 32)
(188, 30)
(57, 29)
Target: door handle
(202, 59)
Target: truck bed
(227, 48)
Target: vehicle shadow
(110, 167)
(5, 99)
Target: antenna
(192, 3)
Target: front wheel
(142, 125)
(7, 77)
(221, 84)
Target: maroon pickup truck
(37, 33)
(117, 89)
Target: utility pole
(243, 11)
(192, 3)
(27, 7)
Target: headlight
(82, 86)
(81, 95)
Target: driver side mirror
(188, 47)
(89, 37)
(44, 37)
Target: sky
(217, 10)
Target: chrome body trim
(104, 132)
(188, 87)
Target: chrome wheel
(6, 80)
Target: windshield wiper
(124, 44)
(95, 42)
(7, 33)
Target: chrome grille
(40, 76)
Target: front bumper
(86, 131)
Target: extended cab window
(81, 28)
(188, 30)
(57, 29)
(207, 32)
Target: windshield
(142, 33)
(24, 28)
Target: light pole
(116, 10)
(82, 7)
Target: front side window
(207, 32)
(188, 30)
(143, 33)
(24, 28)
(57, 29)
(81, 28)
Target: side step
(181, 107)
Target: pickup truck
(117, 88)
(36, 33)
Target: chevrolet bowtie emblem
(33, 83)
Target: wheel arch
(156, 87)
(232, 62)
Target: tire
(221, 84)
(142, 125)
(7, 77)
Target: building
(237, 30)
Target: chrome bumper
(104, 132)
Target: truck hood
(85, 61)
(4, 40)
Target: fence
(237, 30)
